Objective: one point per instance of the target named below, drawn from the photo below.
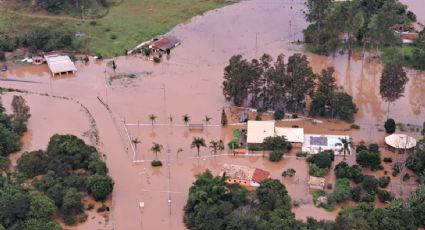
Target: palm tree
(156, 148)
(198, 142)
(152, 118)
(220, 145)
(214, 145)
(186, 119)
(207, 120)
(135, 142)
(346, 144)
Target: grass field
(125, 25)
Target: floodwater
(189, 82)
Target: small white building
(316, 183)
(259, 130)
(59, 65)
(314, 143)
(293, 135)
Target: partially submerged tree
(223, 118)
(346, 145)
(21, 114)
(197, 143)
(155, 149)
(186, 119)
(392, 83)
(152, 118)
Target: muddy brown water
(189, 82)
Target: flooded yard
(189, 82)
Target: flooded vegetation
(115, 106)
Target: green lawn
(125, 26)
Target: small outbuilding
(400, 141)
(164, 43)
(317, 183)
(259, 130)
(59, 65)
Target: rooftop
(259, 130)
(294, 135)
(260, 175)
(60, 64)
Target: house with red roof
(244, 175)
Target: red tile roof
(409, 36)
(260, 175)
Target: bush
(275, 156)
(289, 173)
(360, 148)
(100, 186)
(368, 198)
(294, 116)
(278, 115)
(384, 181)
(233, 144)
(321, 160)
(387, 160)
(342, 191)
(356, 193)
(370, 184)
(354, 126)
(384, 195)
(301, 154)
(315, 170)
(102, 208)
(390, 126)
(342, 170)
(406, 177)
(254, 147)
(356, 174)
(156, 163)
(2, 56)
(374, 148)
(369, 159)
(275, 143)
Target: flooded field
(189, 82)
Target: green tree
(197, 143)
(368, 159)
(37, 224)
(98, 167)
(41, 206)
(390, 126)
(72, 205)
(392, 83)
(21, 114)
(9, 141)
(275, 143)
(342, 191)
(370, 184)
(14, 205)
(272, 195)
(100, 186)
(416, 203)
(33, 163)
(155, 149)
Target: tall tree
(155, 149)
(392, 83)
(346, 145)
(197, 143)
(186, 119)
(152, 118)
(21, 114)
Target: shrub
(356, 174)
(370, 184)
(321, 160)
(384, 195)
(156, 163)
(315, 170)
(294, 116)
(275, 156)
(356, 193)
(99, 56)
(387, 160)
(301, 154)
(342, 170)
(233, 144)
(289, 173)
(275, 143)
(254, 147)
(342, 191)
(100, 186)
(369, 159)
(2, 56)
(278, 115)
(390, 126)
(360, 148)
(384, 181)
(406, 177)
(113, 36)
(374, 148)
(354, 126)
(102, 208)
(368, 198)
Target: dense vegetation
(13, 126)
(214, 204)
(285, 86)
(360, 21)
